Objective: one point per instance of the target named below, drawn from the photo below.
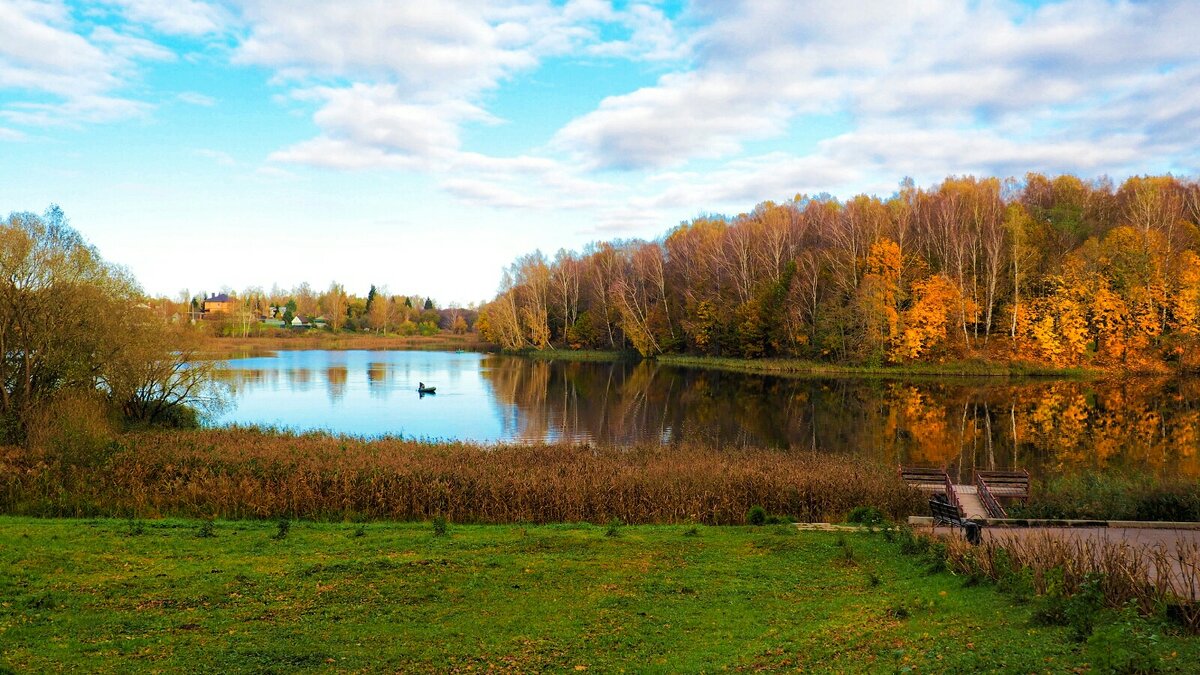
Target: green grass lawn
(113, 595)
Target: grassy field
(110, 595)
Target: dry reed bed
(1153, 577)
(246, 473)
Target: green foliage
(135, 528)
(614, 528)
(1082, 606)
(1125, 643)
(439, 526)
(282, 528)
(1114, 495)
(207, 529)
(757, 515)
(866, 515)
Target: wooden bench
(1005, 484)
(945, 513)
(994, 486)
(924, 479)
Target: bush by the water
(1114, 496)
(248, 473)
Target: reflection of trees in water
(378, 378)
(241, 379)
(335, 378)
(300, 379)
(1048, 426)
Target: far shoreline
(221, 348)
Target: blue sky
(423, 146)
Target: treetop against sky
(236, 142)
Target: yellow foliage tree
(880, 292)
(937, 300)
(1185, 299)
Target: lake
(1043, 424)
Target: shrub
(440, 527)
(614, 528)
(207, 530)
(866, 515)
(282, 528)
(135, 528)
(1114, 496)
(1124, 644)
(757, 515)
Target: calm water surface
(1045, 425)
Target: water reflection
(1047, 426)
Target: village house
(219, 304)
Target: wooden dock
(977, 501)
(969, 503)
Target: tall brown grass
(74, 425)
(248, 473)
(1153, 576)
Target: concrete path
(1179, 549)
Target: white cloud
(942, 65)
(11, 135)
(435, 50)
(176, 17)
(129, 48)
(397, 81)
(196, 98)
(42, 53)
(364, 124)
(219, 156)
(488, 193)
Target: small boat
(422, 389)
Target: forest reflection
(1046, 426)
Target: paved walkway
(1180, 547)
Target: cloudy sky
(424, 145)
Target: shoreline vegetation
(240, 347)
(975, 368)
(257, 473)
(266, 473)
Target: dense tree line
(378, 311)
(1058, 270)
(78, 339)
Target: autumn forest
(1052, 270)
